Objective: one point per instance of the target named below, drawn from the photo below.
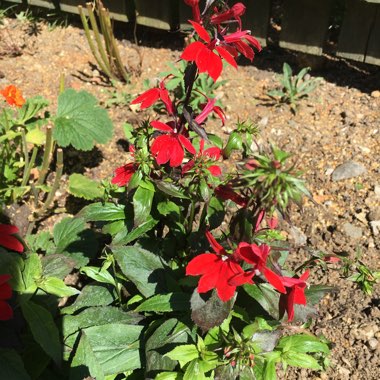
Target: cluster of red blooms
(13, 96)
(206, 53)
(223, 272)
(10, 242)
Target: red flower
(295, 294)
(6, 311)
(215, 269)
(226, 193)
(149, 97)
(234, 12)
(203, 156)
(194, 4)
(257, 257)
(170, 147)
(7, 240)
(123, 174)
(13, 96)
(207, 109)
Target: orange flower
(13, 96)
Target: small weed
(117, 98)
(295, 87)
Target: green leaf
(170, 189)
(143, 268)
(184, 354)
(80, 122)
(57, 266)
(32, 272)
(169, 208)
(57, 287)
(95, 316)
(31, 108)
(209, 311)
(43, 329)
(126, 237)
(168, 376)
(298, 359)
(142, 204)
(115, 346)
(314, 293)
(11, 366)
(12, 263)
(36, 137)
(83, 187)
(66, 232)
(270, 370)
(102, 212)
(303, 343)
(98, 274)
(91, 295)
(194, 371)
(85, 362)
(166, 302)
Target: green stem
(203, 215)
(27, 171)
(25, 152)
(191, 217)
(46, 157)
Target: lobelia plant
(181, 272)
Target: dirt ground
(339, 123)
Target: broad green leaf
(165, 335)
(57, 287)
(209, 311)
(169, 208)
(98, 274)
(102, 212)
(39, 242)
(83, 187)
(169, 376)
(91, 295)
(303, 343)
(125, 237)
(12, 263)
(31, 108)
(166, 302)
(36, 137)
(183, 353)
(115, 346)
(32, 272)
(170, 189)
(298, 359)
(80, 122)
(43, 329)
(95, 316)
(11, 366)
(142, 204)
(57, 266)
(270, 370)
(66, 232)
(194, 371)
(85, 362)
(143, 268)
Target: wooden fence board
(356, 28)
(304, 25)
(160, 14)
(373, 49)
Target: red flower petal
(164, 95)
(123, 174)
(4, 278)
(202, 32)
(226, 55)
(208, 61)
(8, 229)
(147, 98)
(187, 144)
(6, 311)
(274, 279)
(214, 244)
(215, 170)
(10, 242)
(242, 278)
(210, 279)
(177, 153)
(189, 165)
(201, 264)
(161, 149)
(191, 52)
(5, 291)
(213, 152)
(161, 126)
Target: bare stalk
(46, 157)
(28, 169)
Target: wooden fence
(304, 23)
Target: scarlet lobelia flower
(7, 240)
(194, 4)
(13, 96)
(207, 109)
(6, 311)
(216, 270)
(170, 146)
(227, 47)
(225, 192)
(204, 156)
(234, 12)
(295, 294)
(149, 97)
(257, 256)
(124, 173)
